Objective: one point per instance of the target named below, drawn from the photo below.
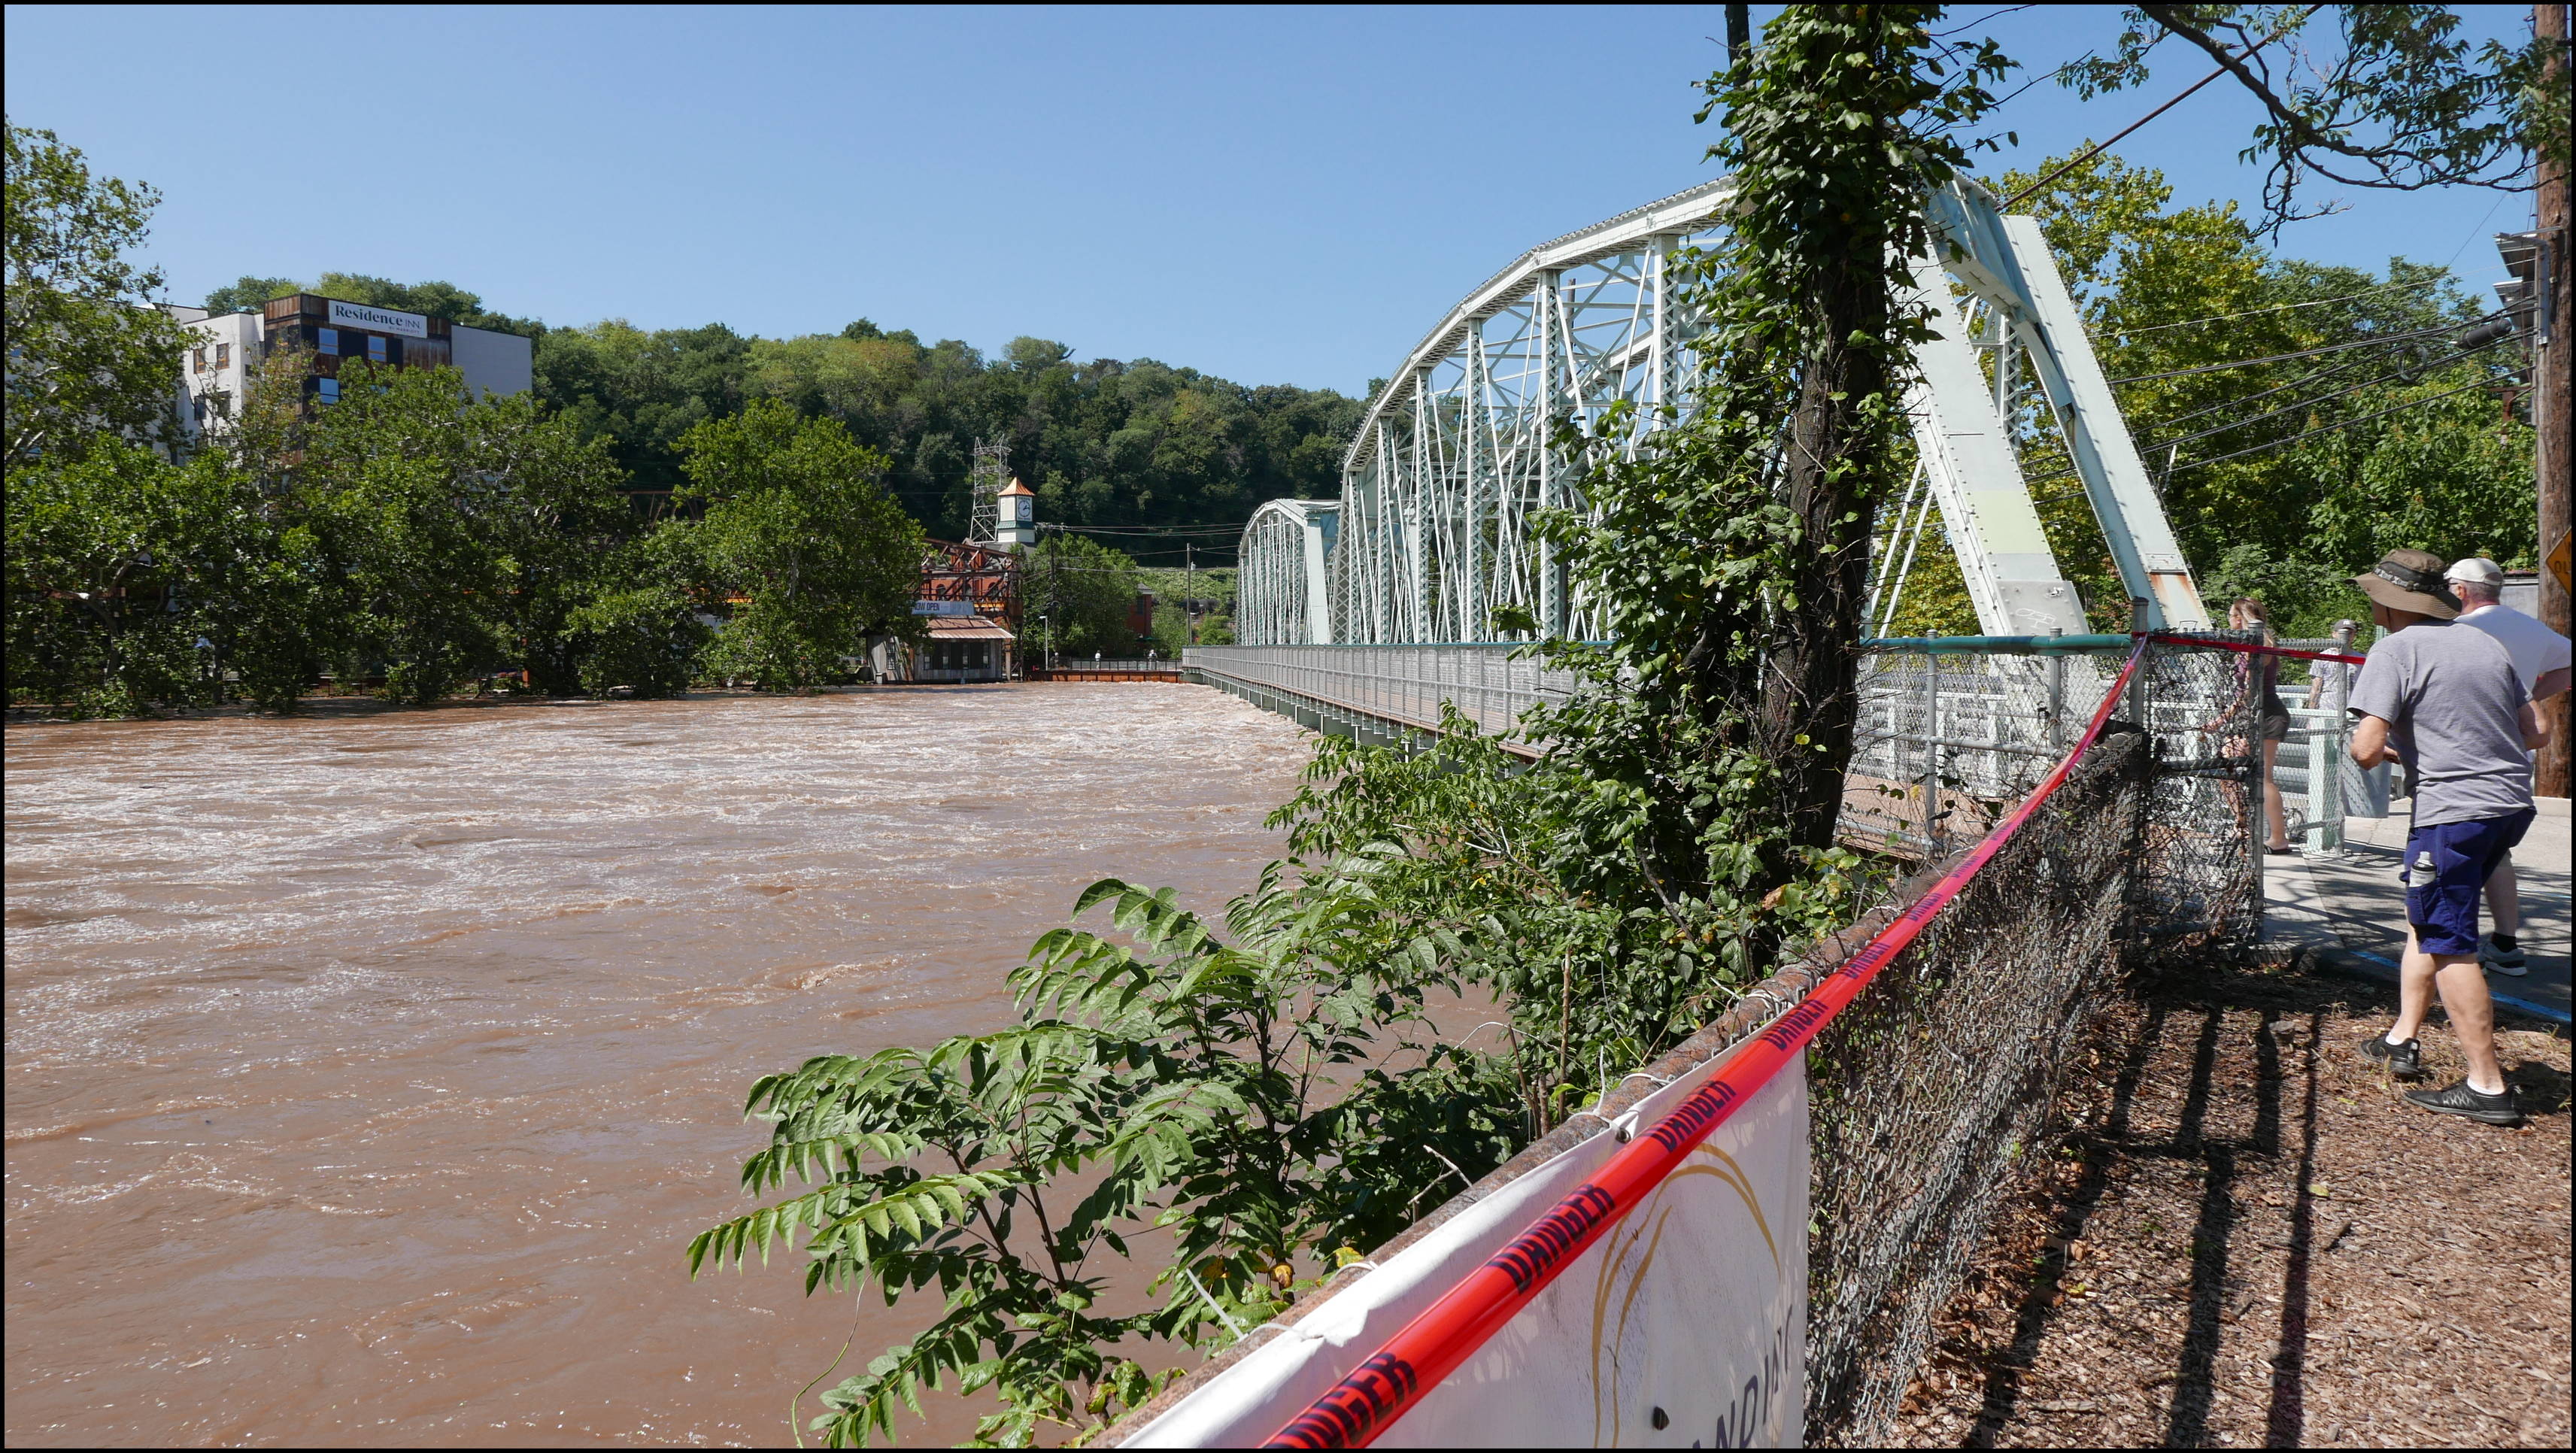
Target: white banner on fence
(1685, 1326)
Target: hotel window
(327, 341)
(223, 355)
(329, 389)
(200, 360)
(375, 350)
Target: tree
(434, 299)
(2398, 103)
(797, 527)
(246, 293)
(460, 535)
(1230, 1092)
(1699, 767)
(99, 548)
(137, 585)
(1085, 592)
(2257, 439)
(92, 355)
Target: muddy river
(367, 1075)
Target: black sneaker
(2503, 956)
(2404, 1061)
(2459, 1099)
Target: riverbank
(2247, 1239)
(368, 1070)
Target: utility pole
(1739, 33)
(2554, 402)
(1189, 593)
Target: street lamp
(1046, 639)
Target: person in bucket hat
(2446, 701)
(2410, 581)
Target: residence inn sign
(378, 320)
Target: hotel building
(223, 346)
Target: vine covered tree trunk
(1729, 550)
(1836, 470)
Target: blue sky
(1275, 196)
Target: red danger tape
(1433, 1345)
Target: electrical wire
(2310, 403)
(2275, 308)
(1148, 531)
(2343, 424)
(2308, 352)
(2231, 427)
(2306, 380)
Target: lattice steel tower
(984, 489)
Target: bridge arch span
(1455, 454)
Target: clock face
(1025, 506)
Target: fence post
(2324, 836)
(1931, 757)
(2056, 695)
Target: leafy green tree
(1078, 594)
(797, 526)
(461, 535)
(92, 355)
(435, 299)
(98, 548)
(641, 629)
(2256, 438)
(2395, 101)
(1229, 1091)
(135, 585)
(644, 640)
(248, 293)
(643, 391)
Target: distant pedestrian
(2258, 687)
(2448, 704)
(2540, 658)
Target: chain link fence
(1928, 1091)
(1930, 1088)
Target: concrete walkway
(2350, 910)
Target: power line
(2304, 352)
(2274, 308)
(2306, 380)
(2310, 403)
(2343, 424)
(1146, 531)
(2175, 443)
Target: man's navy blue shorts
(2447, 869)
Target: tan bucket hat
(2411, 580)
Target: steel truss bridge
(1431, 533)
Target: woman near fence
(2258, 680)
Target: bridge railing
(1950, 731)
(1130, 666)
(1402, 686)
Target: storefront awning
(968, 628)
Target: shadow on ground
(2244, 1237)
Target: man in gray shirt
(2447, 702)
(2450, 707)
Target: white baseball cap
(2476, 570)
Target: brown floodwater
(367, 1075)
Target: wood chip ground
(2245, 1238)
